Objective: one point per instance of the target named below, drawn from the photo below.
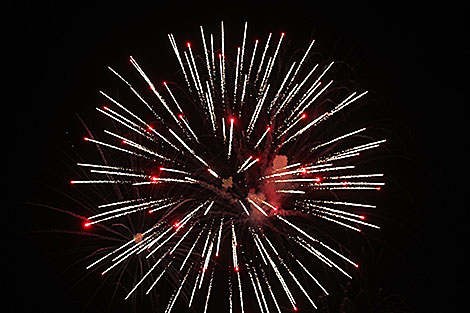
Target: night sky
(410, 56)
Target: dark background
(412, 56)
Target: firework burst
(235, 176)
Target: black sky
(412, 56)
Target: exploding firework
(236, 177)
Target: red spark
(295, 308)
(237, 269)
(85, 138)
(189, 45)
(154, 178)
(303, 116)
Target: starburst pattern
(233, 172)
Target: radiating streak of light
(194, 288)
(173, 170)
(152, 87)
(313, 277)
(262, 137)
(243, 47)
(354, 176)
(122, 256)
(305, 170)
(230, 295)
(123, 107)
(255, 289)
(288, 166)
(175, 49)
(188, 148)
(123, 202)
(235, 85)
(244, 207)
(137, 94)
(333, 210)
(161, 245)
(270, 290)
(322, 257)
(211, 108)
(297, 180)
(350, 183)
(116, 148)
(263, 57)
(159, 276)
(181, 240)
(293, 191)
(189, 128)
(244, 164)
(338, 138)
(175, 296)
(108, 167)
(209, 207)
(242, 307)
(252, 60)
(348, 218)
(290, 126)
(344, 203)
(260, 290)
(209, 291)
(160, 180)
(122, 247)
(145, 204)
(191, 249)
(146, 274)
(254, 118)
(219, 237)
(120, 173)
(136, 145)
(301, 131)
(249, 165)
(273, 102)
(100, 181)
(136, 209)
(337, 222)
(257, 207)
(230, 139)
(213, 173)
(277, 272)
